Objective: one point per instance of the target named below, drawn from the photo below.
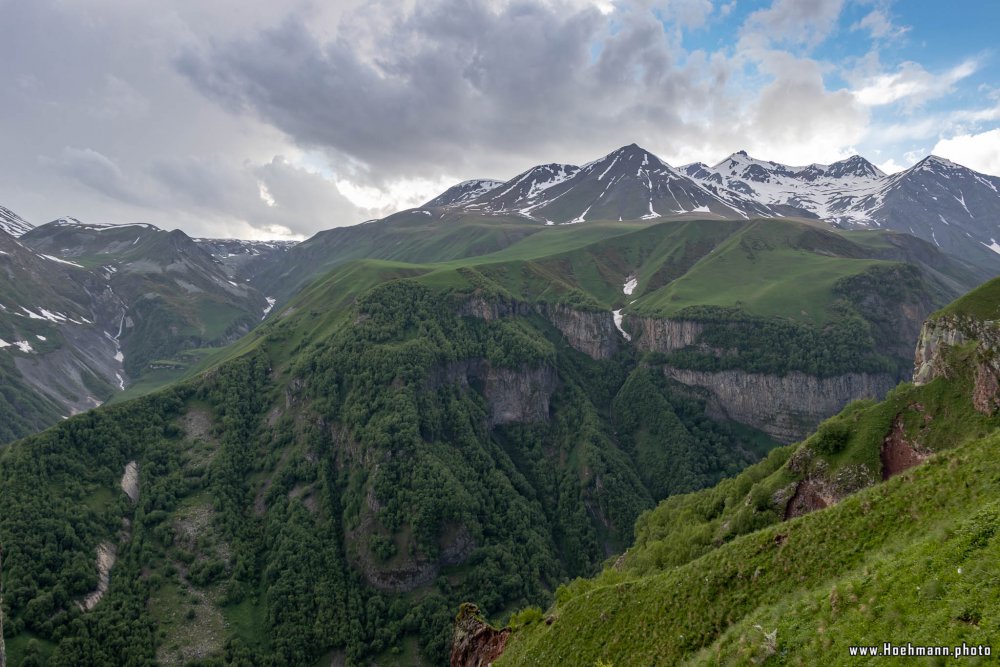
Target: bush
(832, 436)
(525, 617)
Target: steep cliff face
(492, 308)
(590, 332)
(475, 643)
(519, 395)
(785, 407)
(513, 395)
(660, 335)
(938, 336)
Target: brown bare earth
(810, 495)
(898, 453)
(986, 393)
(475, 643)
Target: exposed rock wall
(107, 554)
(930, 359)
(899, 453)
(512, 394)
(475, 643)
(785, 407)
(662, 335)
(492, 308)
(591, 332)
(520, 395)
(130, 481)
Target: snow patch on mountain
(12, 223)
(270, 305)
(61, 261)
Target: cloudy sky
(264, 119)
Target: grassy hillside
(736, 574)
(982, 303)
(356, 467)
(411, 431)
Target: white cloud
(912, 83)
(890, 166)
(977, 151)
(880, 26)
(380, 105)
(797, 120)
(797, 22)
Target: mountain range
(88, 310)
(949, 205)
(331, 445)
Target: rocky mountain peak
(854, 166)
(12, 223)
(463, 192)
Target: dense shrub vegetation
(348, 502)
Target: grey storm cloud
(96, 171)
(245, 117)
(453, 79)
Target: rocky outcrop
(819, 486)
(986, 391)
(660, 335)
(940, 334)
(810, 495)
(512, 394)
(130, 481)
(935, 336)
(898, 453)
(475, 643)
(106, 556)
(787, 407)
(519, 395)
(492, 308)
(591, 332)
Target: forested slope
(810, 552)
(342, 482)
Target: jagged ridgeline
(90, 311)
(905, 549)
(403, 437)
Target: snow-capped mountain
(243, 259)
(947, 204)
(464, 192)
(627, 184)
(954, 207)
(57, 345)
(524, 189)
(86, 309)
(817, 190)
(12, 223)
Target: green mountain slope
(748, 572)
(174, 296)
(55, 358)
(369, 458)
(399, 437)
